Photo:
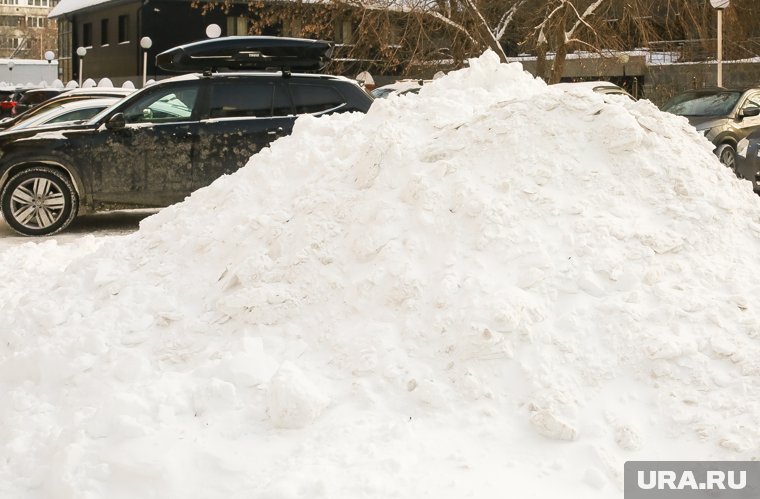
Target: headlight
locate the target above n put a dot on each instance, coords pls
(741, 148)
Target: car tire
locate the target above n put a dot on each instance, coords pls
(727, 155)
(39, 201)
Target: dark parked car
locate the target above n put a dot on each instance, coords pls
(600, 87)
(401, 87)
(725, 116)
(161, 143)
(748, 160)
(34, 97)
(76, 94)
(8, 100)
(67, 113)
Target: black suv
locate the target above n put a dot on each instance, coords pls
(160, 144)
(725, 116)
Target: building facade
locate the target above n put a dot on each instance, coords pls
(25, 32)
(111, 31)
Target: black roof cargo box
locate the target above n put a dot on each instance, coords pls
(247, 53)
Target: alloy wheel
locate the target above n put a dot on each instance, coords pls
(37, 203)
(727, 158)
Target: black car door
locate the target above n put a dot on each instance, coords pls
(245, 115)
(149, 161)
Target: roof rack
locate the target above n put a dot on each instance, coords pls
(260, 53)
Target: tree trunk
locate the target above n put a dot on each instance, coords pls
(541, 61)
(558, 67)
(560, 48)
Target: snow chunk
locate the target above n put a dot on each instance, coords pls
(551, 426)
(293, 399)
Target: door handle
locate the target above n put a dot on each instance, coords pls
(275, 131)
(184, 135)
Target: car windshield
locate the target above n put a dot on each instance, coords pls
(381, 93)
(105, 111)
(63, 114)
(703, 104)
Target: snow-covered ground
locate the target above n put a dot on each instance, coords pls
(105, 224)
(493, 289)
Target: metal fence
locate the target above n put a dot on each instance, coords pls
(705, 49)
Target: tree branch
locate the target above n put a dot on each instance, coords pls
(582, 18)
(485, 32)
(456, 26)
(506, 20)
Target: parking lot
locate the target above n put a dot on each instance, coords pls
(101, 224)
(491, 285)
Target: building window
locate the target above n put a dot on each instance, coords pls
(87, 35)
(64, 45)
(291, 27)
(103, 32)
(40, 3)
(36, 22)
(9, 42)
(10, 21)
(123, 29)
(343, 31)
(237, 26)
(8, 2)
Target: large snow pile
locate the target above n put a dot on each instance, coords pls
(492, 289)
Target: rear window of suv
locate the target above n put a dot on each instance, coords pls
(37, 97)
(315, 98)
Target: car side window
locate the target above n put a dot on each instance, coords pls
(752, 101)
(78, 115)
(169, 105)
(248, 99)
(315, 98)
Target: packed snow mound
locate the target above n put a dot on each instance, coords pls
(492, 287)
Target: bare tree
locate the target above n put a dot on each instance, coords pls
(541, 27)
(560, 30)
(408, 37)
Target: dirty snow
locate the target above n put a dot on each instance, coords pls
(492, 289)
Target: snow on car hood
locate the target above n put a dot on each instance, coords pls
(493, 287)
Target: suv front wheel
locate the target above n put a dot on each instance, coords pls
(727, 155)
(39, 201)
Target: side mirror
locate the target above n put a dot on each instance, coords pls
(117, 122)
(750, 111)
